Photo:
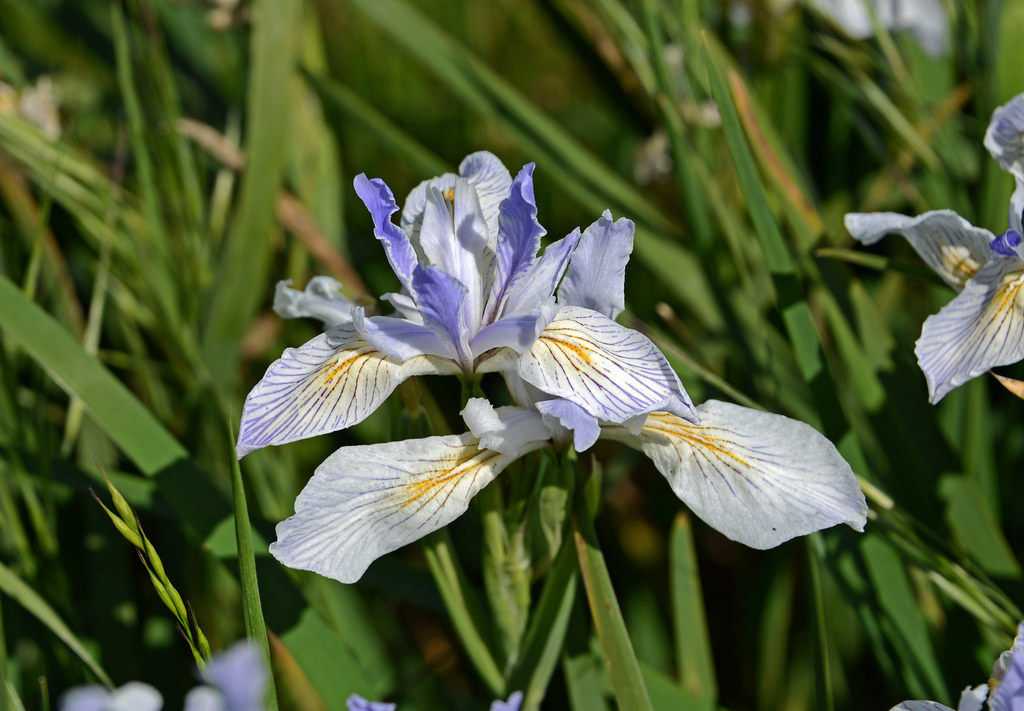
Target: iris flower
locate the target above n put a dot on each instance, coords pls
(983, 326)
(1003, 692)
(475, 298)
(574, 373)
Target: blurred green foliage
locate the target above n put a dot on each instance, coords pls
(206, 151)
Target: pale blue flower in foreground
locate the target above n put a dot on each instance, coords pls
(574, 373)
(237, 681)
(475, 298)
(1003, 692)
(925, 20)
(983, 326)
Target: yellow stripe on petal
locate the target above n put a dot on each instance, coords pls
(983, 327)
(612, 372)
(330, 383)
(366, 501)
(758, 478)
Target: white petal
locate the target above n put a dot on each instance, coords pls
(136, 696)
(972, 699)
(331, 382)
(492, 181)
(322, 299)
(611, 371)
(366, 501)
(922, 706)
(759, 478)
(508, 430)
(948, 243)
(205, 698)
(981, 328)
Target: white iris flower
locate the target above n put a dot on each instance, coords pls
(476, 298)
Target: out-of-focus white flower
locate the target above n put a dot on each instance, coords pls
(924, 19)
(37, 104)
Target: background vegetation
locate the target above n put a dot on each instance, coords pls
(206, 150)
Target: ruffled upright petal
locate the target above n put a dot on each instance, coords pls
(519, 235)
(596, 277)
(492, 181)
(442, 301)
(538, 283)
(759, 478)
(332, 382)
(948, 243)
(321, 299)
(516, 332)
(1004, 138)
(400, 338)
(612, 372)
(377, 197)
(981, 328)
(366, 501)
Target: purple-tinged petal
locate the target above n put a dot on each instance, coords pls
(1017, 207)
(1007, 244)
(453, 237)
(596, 277)
(981, 328)
(1004, 138)
(519, 235)
(759, 478)
(399, 338)
(239, 673)
(515, 332)
(368, 500)
(515, 701)
(948, 243)
(923, 706)
(321, 299)
(507, 430)
(538, 284)
(355, 702)
(377, 197)
(491, 179)
(442, 301)
(332, 382)
(611, 371)
(584, 426)
(1008, 675)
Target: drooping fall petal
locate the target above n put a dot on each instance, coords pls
(333, 381)
(759, 478)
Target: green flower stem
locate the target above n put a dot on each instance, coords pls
(506, 579)
(464, 608)
(620, 659)
(255, 627)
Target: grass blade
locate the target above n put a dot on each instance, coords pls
(252, 608)
(623, 667)
(18, 590)
(693, 646)
(276, 28)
